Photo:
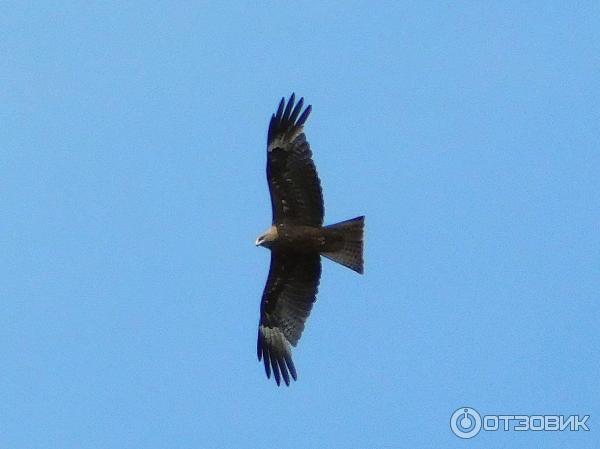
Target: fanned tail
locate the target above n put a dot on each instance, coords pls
(346, 247)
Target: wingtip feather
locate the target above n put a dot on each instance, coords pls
(288, 108)
(304, 116)
(284, 371)
(280, 109)
(275, 368)
(267, 364)
(290, 364)
(297, 110)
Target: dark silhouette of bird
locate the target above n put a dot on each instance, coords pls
(297, 240)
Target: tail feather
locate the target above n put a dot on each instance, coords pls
(347, 243)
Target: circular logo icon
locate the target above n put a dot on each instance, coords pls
(465, 422)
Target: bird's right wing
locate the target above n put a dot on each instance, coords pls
(287, 300)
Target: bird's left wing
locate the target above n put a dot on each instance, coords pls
(294, 184)
(287, 300)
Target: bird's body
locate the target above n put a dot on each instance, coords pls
(297, 240)
(300, 238)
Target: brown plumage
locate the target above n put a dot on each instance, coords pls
(297, 240)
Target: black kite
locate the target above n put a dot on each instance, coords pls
(297, 240)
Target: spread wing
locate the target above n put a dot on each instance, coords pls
(294, 185)
(286, 303)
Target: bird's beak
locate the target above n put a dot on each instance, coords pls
(257, 243)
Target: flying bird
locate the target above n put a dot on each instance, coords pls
(297, 240)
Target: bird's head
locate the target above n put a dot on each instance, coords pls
(267, 238)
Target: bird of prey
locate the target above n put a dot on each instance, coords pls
(297, 240)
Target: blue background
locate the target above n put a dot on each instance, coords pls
(132, 188)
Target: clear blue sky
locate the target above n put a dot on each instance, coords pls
(132, 189)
